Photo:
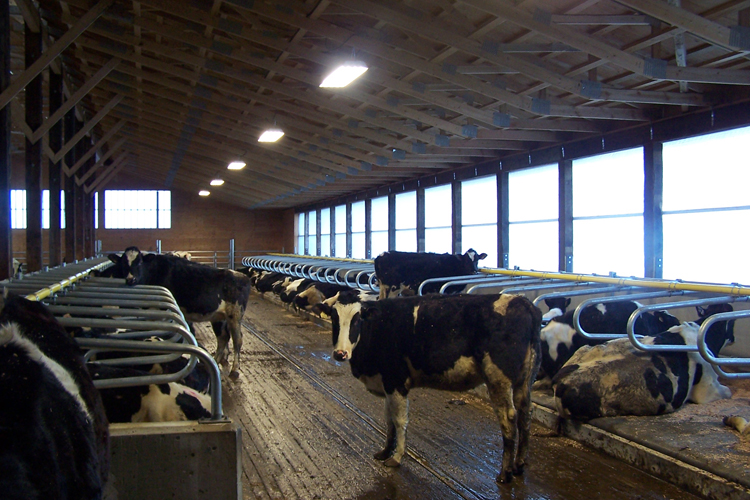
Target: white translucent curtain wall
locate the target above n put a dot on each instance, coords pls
(406, 222)
(379, 228)
(608, 214)
(533, 217)
(312, 235)
(706, 205)
(479, 218)
(438, 235)
(300, 230)
(358, 230)
(340, 230)
(325, 232)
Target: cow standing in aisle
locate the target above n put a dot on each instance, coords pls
(444, 342)
(401, 273)
(203, 293)
(54, 435)
(615, 378)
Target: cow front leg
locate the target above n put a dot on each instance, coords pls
(222, 342)
(235, 330)
(397, 412)
(390, 436)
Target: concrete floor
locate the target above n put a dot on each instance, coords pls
(309, 430)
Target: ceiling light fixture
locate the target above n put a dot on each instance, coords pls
(344, 74)
(236, 165)
(217, 182)
(271, 135)
(203, 192)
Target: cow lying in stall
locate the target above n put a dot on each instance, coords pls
(401, 273)
(203, 293)
(54, 437)
(560, 340)
(167, 402)
(444, 342)
(615, 378)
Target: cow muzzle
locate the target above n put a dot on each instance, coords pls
(340, 355)
(131, 281)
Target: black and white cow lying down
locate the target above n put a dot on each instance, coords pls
(54, 437)
(401, 273)
(615, 378)
(203, 293)
(444, 342)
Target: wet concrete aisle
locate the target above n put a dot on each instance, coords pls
(310, 430)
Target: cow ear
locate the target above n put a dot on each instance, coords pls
(567, 302)
(370, 313)
(114, 257)
(701, 311)
(481, 256)
(323, 308)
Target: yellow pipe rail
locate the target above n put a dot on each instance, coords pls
(339, 259)
(56, 287)
(610, 280)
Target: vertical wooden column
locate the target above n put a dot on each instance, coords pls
(70, 199)
(565, 215)
(6, 241)
(317, 232)
(79, 194)
(349, 230)
(653, 194)
(55, 138)
(368, 228)
(391, 222)
(332, 224)
(456, 218)
(420, 220)
(503, 206)
(34, 103)
(88, 215)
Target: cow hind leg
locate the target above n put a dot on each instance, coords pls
(397, 415)
(500, 390)
(390, 439)
(222, 342)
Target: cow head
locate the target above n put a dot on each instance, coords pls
(721, 333)
(475, 257)
(126, 264)
(346, 320)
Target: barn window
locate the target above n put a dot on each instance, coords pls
(705, 203)
(312, 233)
(325, 232)
(533, 221)
(358, 230)
(137, 209)
(300, 234)
(406, 222)
(18, 209)
(608, 213)
(479, 217)
(340, 230)
(379, 221)
(438, 213)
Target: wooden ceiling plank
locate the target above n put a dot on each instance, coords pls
(100, 143)
(87, 126)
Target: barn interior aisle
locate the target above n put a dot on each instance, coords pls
(309, 431)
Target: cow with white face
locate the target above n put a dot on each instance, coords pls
(444, 342)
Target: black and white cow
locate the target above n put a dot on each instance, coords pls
(168, 402)
(203, 293)
(323, 309)
(317, 293)
(444, 342)
(401, 273)
(267, 280)
(54, 436)
(556, 306)
(560, 340)
(289, 292)
(615, 378)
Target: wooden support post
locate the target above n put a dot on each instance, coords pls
(349, 230)
(305, 224)
(79, 194)
(565, 215)
(653, 193)
(420, 220)
(317, 233)
(456, 218)
(6, 242)
(503, 206)
(34, 118)
(55, 172)
(70, 199)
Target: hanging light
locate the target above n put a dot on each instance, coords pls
(271, 135)
(217, 182)
(345, 74)
(236, 165)
(203, 192)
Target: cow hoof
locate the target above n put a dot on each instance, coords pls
(392, 462)
(518, 469)
(383, 454)
(504, 477)
(234, 375)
